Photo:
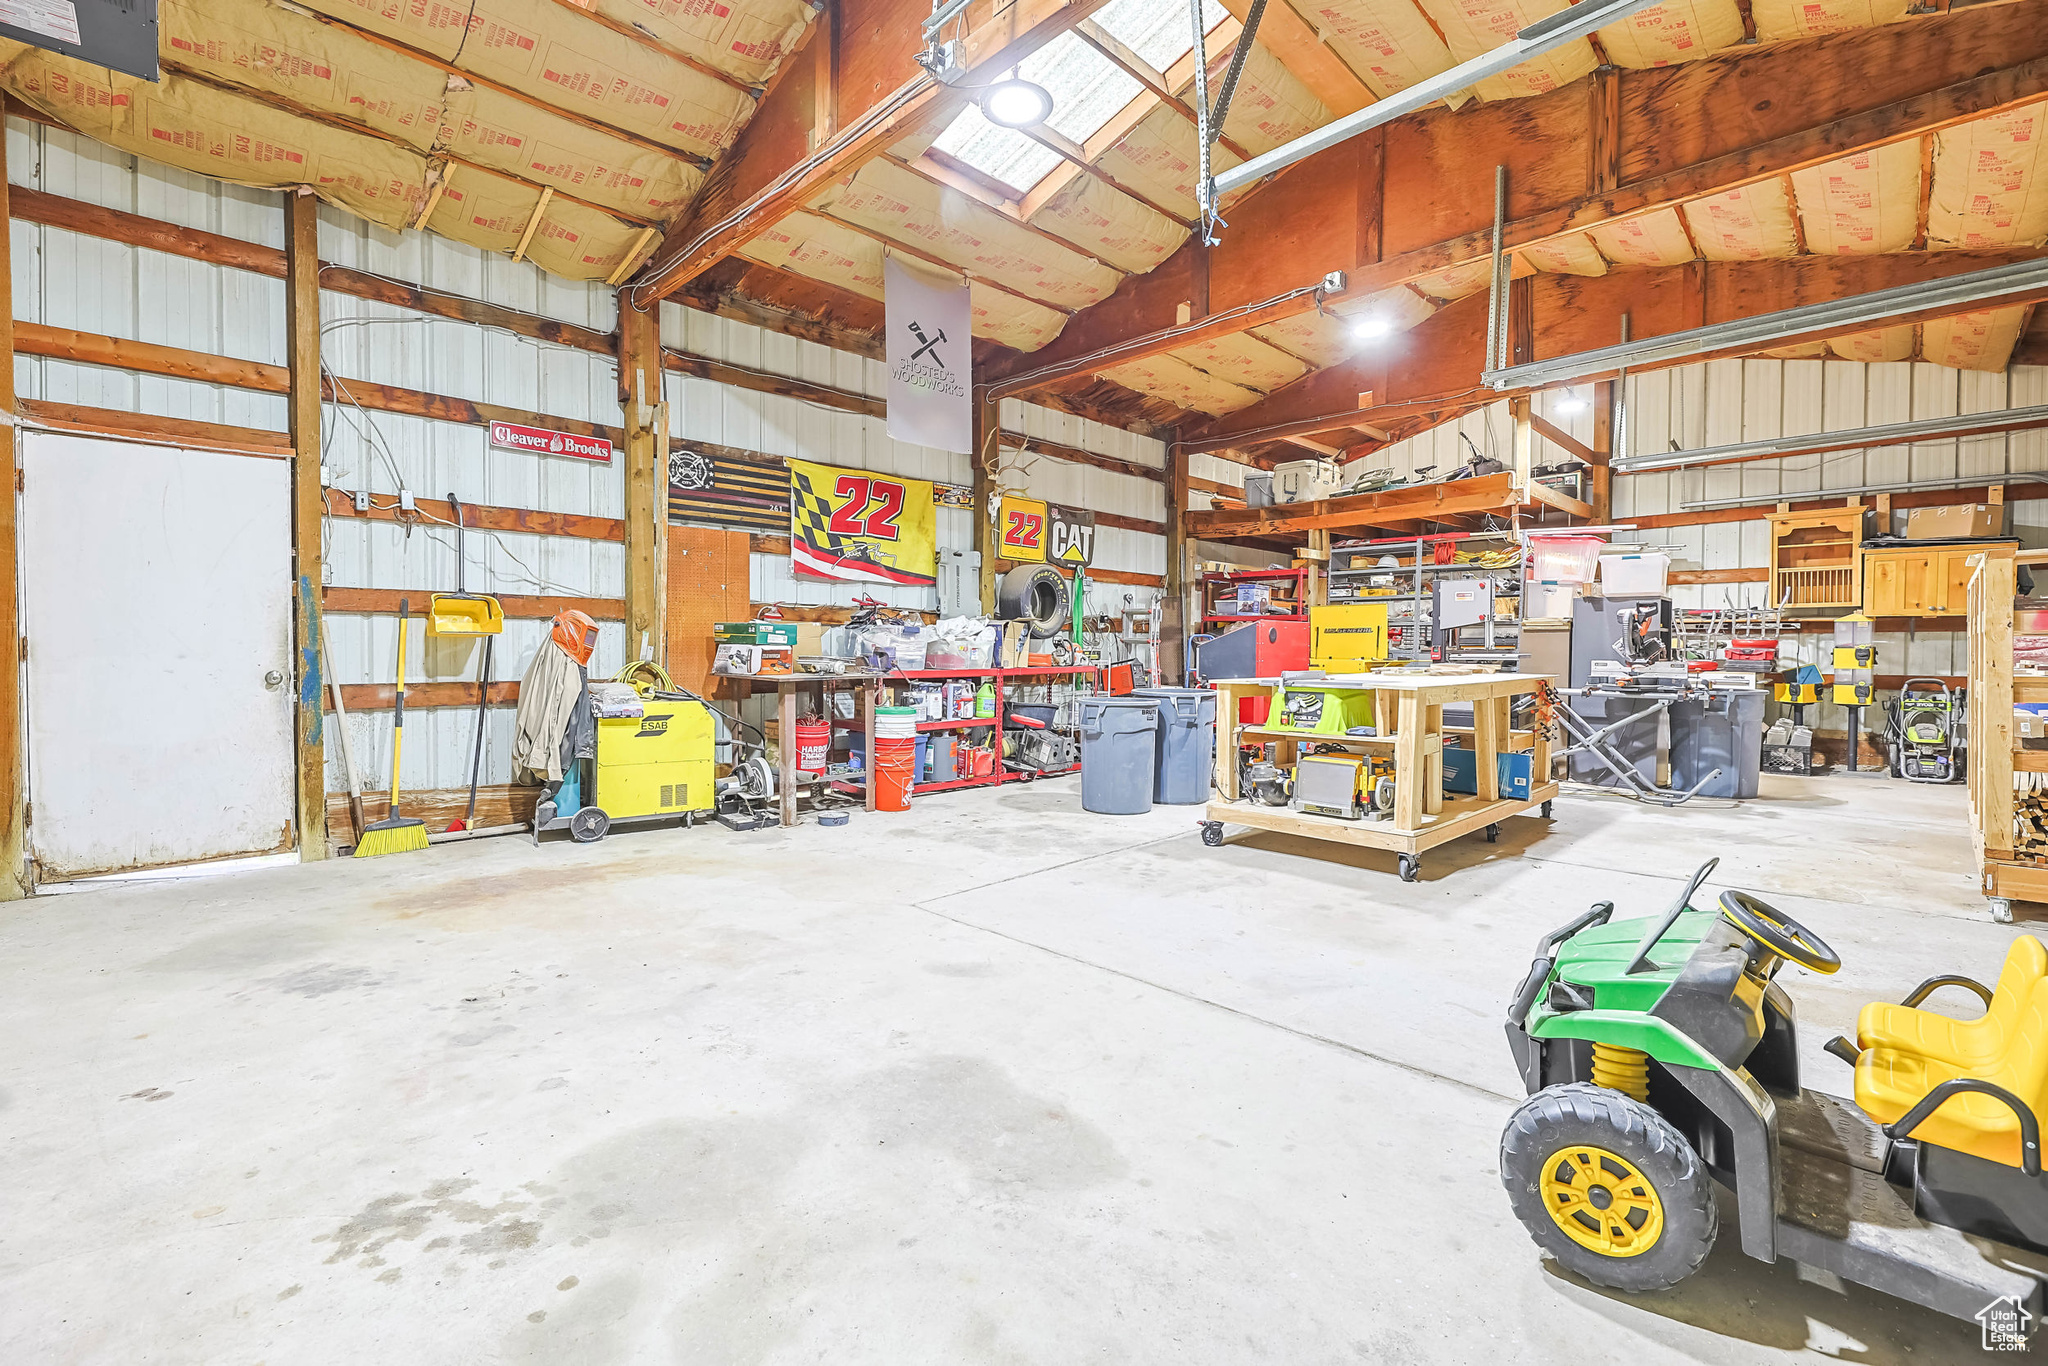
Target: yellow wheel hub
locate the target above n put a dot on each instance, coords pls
(1602, 1202)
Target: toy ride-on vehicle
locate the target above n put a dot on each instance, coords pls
(1660, 1056)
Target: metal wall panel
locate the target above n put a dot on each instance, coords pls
(701, 410)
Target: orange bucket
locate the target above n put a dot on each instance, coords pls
(894, 760)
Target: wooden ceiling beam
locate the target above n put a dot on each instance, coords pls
(1416, 197)
(1437, 364)
(1300, 49)
(880, 97)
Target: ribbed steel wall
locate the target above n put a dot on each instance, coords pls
(71, 280)
(1722, 402)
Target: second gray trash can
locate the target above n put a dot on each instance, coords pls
(1118, 736)
(1184, 747)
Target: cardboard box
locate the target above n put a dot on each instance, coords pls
(1013, 645)
(1958, 519)
(756, 632)
(810, 639)
(753, 661)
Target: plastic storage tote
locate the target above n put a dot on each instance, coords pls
(1118, 741)
(1184, 745)
(1634, 575)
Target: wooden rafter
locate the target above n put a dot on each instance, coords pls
(881, 97)
(1678, 133)
(1437, 364)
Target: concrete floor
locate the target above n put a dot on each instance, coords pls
(991, 1082)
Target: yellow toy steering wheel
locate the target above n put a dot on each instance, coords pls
(1778, 932)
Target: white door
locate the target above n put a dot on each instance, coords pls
(157, 611)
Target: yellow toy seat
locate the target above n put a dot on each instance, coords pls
(1963, 1043)
(1891, 1081)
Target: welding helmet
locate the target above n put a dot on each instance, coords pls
(576, 633)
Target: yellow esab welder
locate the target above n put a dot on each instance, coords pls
(661, 764)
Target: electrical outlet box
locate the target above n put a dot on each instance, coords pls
(326, 478)
(405, 501)
(362, 501)
(1336, 282)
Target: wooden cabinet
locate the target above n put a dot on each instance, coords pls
(1910, 581)
(1813, 557)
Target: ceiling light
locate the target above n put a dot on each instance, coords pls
(1016, 103)
(1372, 329)
(1569, 404)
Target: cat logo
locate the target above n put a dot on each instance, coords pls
(651, 725)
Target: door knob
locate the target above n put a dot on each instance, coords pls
(273, 680)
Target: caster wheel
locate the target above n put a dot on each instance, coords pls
(1212, 833)
(1411, 867)
(1546, 809)
(589, 825)
(1493, 833)
(2001, 910)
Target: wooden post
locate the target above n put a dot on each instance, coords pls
(1411, 765)
(1316, 587)
(1524, 457)
(1175, 619)
(1601, 474)
(988, 438)
(14, 880)
(785, 749)
(302, 416)
(646, 505)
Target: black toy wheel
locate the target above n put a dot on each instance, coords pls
(1212, 833)
(588, 825)
(1411, 867)
(1546, 808)
(1608, 1187)
(1493, 833)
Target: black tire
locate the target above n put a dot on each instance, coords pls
(1411, 867)
(1212, 833)
(1493, 834)
(1038, 596)
(1538, 1142)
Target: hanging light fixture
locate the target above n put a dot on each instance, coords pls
(1372, 329)
(1569, 403)
(1016, 103)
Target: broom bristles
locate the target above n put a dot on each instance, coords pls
(398, 835)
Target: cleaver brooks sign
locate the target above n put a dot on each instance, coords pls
(510, 436)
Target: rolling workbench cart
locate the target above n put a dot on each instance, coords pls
(1423, 817)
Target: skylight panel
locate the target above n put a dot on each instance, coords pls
(1002, 154)
(1157, 30)
(1086, 87)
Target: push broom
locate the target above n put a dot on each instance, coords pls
(395, 834)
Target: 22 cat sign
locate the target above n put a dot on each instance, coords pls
(1069, 535)
(1021, 527)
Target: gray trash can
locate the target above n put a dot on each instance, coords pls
(1118, 735)
(1184, 748)
(1636, 743)
(1725, 731)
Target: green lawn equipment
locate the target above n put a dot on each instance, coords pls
(1661, 1057)
(1923, 731)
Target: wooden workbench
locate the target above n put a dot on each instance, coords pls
(787, 688)
(1422, 817)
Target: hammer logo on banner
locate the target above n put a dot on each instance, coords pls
(930, 351)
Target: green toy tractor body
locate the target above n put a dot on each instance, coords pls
(1661, 1060)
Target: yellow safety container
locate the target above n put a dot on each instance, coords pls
(1798, 692)
(1347, 638)
(661, 763)
(464, 614)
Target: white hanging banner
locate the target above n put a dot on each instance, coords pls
(930, 350)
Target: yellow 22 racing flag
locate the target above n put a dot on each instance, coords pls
(855, 526)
